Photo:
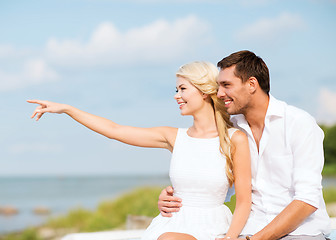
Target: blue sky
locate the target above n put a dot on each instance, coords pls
(118, 59)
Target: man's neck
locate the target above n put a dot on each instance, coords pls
(256, 113)
(255, 116)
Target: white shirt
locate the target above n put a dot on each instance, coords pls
(287, 167)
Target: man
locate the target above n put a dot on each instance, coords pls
(286, 148)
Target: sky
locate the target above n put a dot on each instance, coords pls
(118, 59)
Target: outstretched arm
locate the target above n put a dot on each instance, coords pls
(157, 137)
(240, 153)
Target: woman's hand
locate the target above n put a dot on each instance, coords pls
(46, 106)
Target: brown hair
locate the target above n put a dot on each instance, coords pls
(247, 65)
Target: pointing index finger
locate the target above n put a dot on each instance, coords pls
(37, 102)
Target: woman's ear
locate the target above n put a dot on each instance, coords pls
(205, 96)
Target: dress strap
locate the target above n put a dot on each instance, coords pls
(232, 131)
(182, 132)
(181, 135)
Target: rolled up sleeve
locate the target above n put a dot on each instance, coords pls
(308, 160)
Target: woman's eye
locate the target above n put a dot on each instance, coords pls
(180, 89)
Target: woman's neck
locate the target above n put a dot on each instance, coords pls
(204, 125)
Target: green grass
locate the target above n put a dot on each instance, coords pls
(27, 234)
(329, 194)
(77, 218)
(329, 170)
(232, 203)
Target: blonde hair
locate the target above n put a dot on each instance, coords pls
(203, 76)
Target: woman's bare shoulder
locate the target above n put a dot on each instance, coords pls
(238, 137)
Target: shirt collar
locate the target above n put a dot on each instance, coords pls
(275, 109)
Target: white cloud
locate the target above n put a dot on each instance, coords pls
(271, 29)
(37, 71)
(326, 112)
(159, 41)
(22, 148)
(34, 71)
(10, 52)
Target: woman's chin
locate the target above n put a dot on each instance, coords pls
(184, 113)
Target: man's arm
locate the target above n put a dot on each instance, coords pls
(287, 221)
(168, 203)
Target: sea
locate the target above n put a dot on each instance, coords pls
(61, 194)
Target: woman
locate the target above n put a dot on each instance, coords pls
(207, 158)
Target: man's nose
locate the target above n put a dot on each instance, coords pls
(220, 92)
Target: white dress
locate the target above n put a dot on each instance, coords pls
(197, 173)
